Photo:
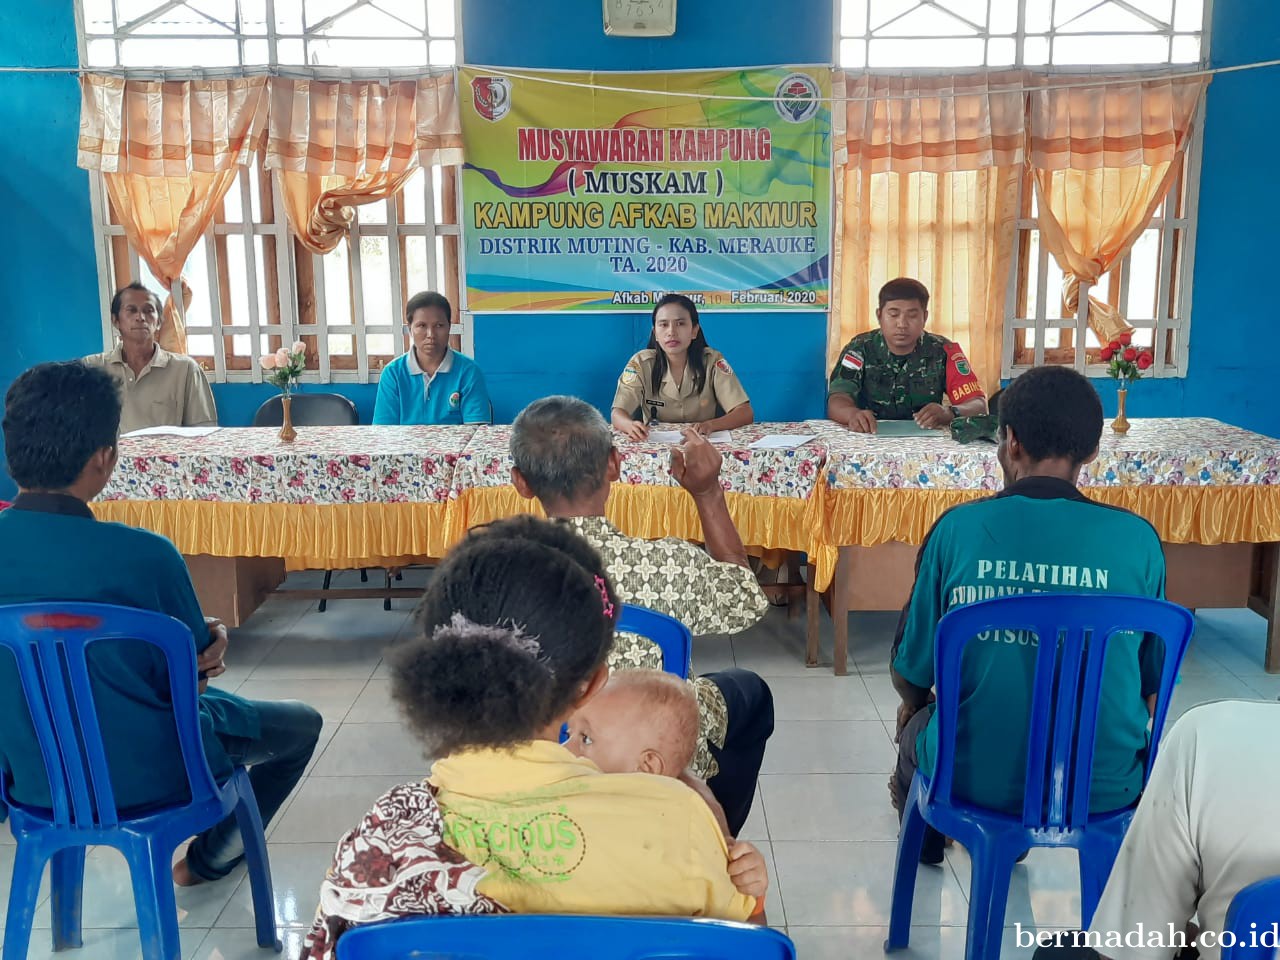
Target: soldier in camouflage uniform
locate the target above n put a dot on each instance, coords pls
(900, 372)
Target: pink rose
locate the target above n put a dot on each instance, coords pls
(298, 348)
(268, 362)
(334, 469)
(238, 467)
(348, 494)
(429, 467)
(141, 465)
(282, 357)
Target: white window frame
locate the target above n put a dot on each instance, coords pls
(289, 328)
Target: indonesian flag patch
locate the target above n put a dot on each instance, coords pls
(852, 360)
(723, 365)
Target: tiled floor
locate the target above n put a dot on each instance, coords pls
(822, 813)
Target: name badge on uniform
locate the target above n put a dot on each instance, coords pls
(852, 361)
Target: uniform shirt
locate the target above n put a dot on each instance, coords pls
(893, 387)
(721, 390)
(455, 393)
(52, 548)
(1039, 534)
(171, 390)
(1204, 830)
(682, 580)
(555, 835)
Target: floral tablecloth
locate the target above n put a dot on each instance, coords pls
(793, 474)
(1191, 452)
(325, 465)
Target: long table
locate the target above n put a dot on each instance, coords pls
(1211, 491)
(245, 507)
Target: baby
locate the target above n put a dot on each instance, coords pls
(646, 721)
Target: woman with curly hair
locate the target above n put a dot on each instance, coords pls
(513, 634)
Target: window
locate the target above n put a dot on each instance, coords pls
(242, 33)
(1151, 287)
(1070, 34)
(253, 287)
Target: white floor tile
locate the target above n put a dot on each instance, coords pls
(319, 658)
(231, 943)
(817, 697)
(327, 807)
(296, 872)
(332, 698)
(372, 749)
(111, 944)
(828, 807)
(774, 913)
(849, 883)
(856, 746)
(374, 705)
(756, 828)
(1044, 890)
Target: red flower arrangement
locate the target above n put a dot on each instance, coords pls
(1125, 362)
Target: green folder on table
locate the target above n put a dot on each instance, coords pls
(905, 428)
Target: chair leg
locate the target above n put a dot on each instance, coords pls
(386, 601)
(258, 864)
(910, 843)
(364, 575)
(24, 893)
(1097, 856)
(66, 896)
(993, 859)
(324, 601)
(151, 871)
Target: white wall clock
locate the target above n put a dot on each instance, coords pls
(639, 18)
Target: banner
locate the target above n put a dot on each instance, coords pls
(583, 194)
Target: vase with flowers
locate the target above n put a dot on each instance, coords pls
(1125, 363)
(284, 370)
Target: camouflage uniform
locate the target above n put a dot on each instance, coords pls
(970, 429)
(895, 388)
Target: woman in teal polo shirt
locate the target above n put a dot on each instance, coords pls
(431, 383)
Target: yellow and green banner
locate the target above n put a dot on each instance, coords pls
(591, 191)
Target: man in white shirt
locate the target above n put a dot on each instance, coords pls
(1204, 829)
(159, 388)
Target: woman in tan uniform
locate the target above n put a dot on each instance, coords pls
(678, 378)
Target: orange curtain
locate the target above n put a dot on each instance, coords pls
(928, 188)
(168, 152)
(335, 145)
(1103, 158)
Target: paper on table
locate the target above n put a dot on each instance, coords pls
(782, 441)
(906, 428)
(675, 436)
(172, 432)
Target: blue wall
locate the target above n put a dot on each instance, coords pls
(52, 309)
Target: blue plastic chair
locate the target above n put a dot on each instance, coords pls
(1063, 723)
(48, 642)
(667, 632)
(529, 937)
(1252, 913)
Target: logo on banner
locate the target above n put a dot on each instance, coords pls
(491, 96)
(796, 98)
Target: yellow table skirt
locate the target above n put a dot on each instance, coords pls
(767, 525)
(308, 536)
(1207, 515)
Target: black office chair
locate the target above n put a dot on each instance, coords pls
(313, 410)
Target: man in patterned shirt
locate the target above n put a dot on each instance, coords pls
(900, 372)
(563, 454)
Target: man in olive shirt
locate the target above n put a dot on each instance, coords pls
(900, 372)
(160, 389)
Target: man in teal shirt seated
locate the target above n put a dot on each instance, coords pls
(431, 383)
(61, 422)
(1040, 534)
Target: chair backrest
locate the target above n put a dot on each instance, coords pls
(1066, 688)
(48, 642)
(1252, 919)
(309, 410)
(531, 937)
(667, 632)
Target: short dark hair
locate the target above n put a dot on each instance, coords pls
(427, 299)
(514, 621)
(136, 285)
(1054, 412)
(561, 446)
(905, 288)
(57, 416)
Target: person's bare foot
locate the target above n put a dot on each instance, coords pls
(182, 875)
